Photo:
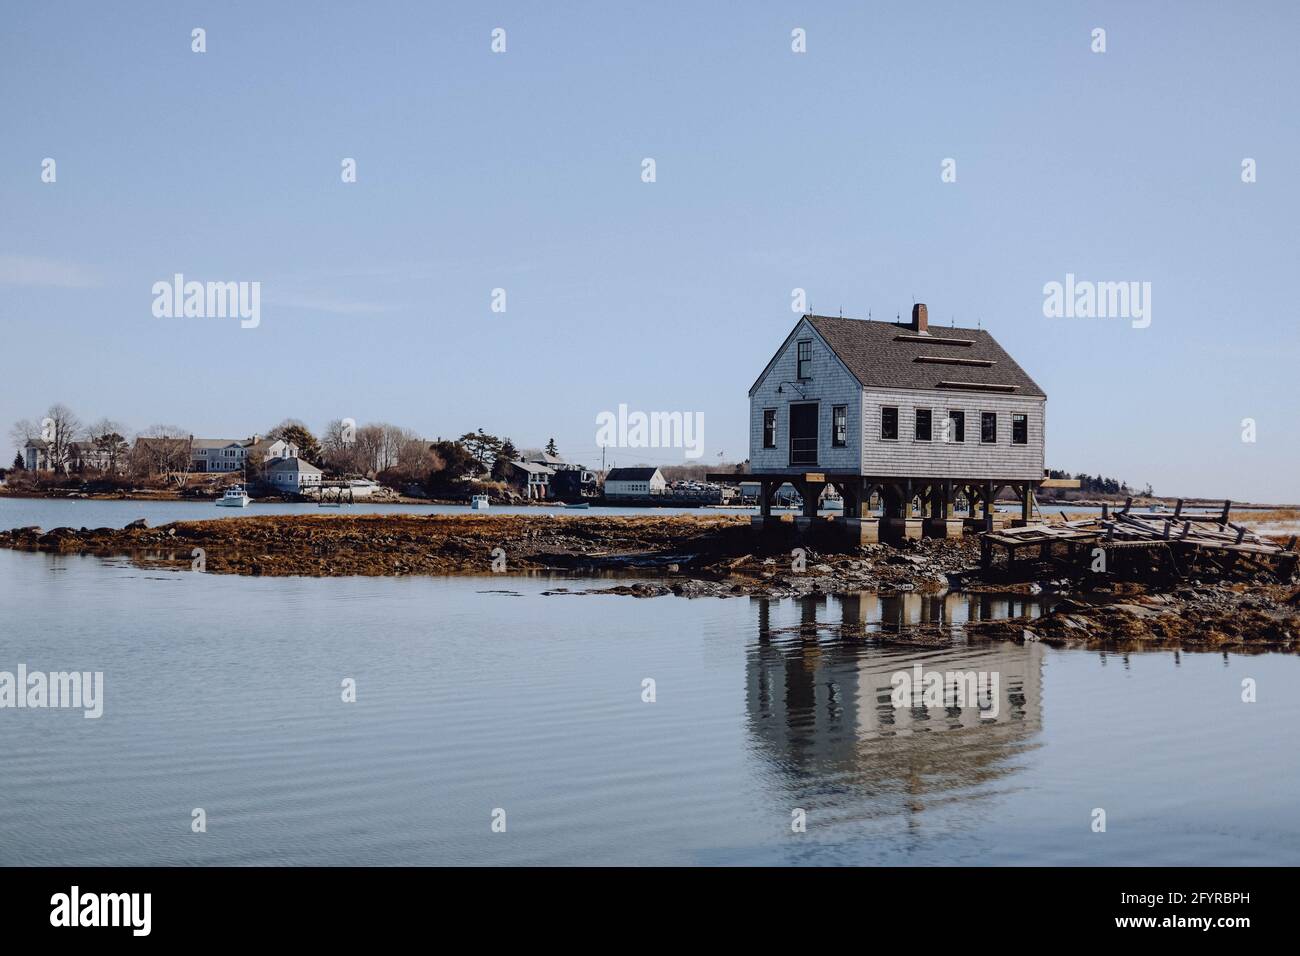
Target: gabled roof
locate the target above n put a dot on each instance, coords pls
(217, 442)
(631, 474)
(546, 459)
(533, 468)
(892, 355)
(292, 464)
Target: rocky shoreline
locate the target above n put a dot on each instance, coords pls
(700, 556)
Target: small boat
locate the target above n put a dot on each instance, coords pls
(479, 503)
(235, 497)
(577, 505)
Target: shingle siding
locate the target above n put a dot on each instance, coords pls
(935, 459)
(832, 383)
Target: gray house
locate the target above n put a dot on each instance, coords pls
(292, 475)
(900, 410)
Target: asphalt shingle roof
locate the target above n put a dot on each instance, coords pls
(630, 474)
(878, 357)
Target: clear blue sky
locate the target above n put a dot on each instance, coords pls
(775, 171)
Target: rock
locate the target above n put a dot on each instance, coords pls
(137, 523)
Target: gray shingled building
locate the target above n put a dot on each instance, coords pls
(900, 410)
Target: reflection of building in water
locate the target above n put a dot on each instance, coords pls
(819, 695)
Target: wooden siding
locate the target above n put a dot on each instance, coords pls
(831, 384)
(934, 459)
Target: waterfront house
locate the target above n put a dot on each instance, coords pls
(900, 409)
(550, 461)
(291, 475)
(531, 479)
(573, 484)
(231, 454)
(36, 455)
(216, 454)
(634, 482)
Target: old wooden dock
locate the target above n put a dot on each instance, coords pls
(1182, 543)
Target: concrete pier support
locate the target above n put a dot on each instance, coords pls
(900, 529)
(943, 527)
(862, 530)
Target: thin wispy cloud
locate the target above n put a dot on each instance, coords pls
(37, 271)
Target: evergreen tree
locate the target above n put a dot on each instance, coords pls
(507, 454)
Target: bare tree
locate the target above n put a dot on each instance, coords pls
(163, 450)
(393, 439)
(108, 439)
(60, 428)
(339, 448)
(368, 450)
(416, 459)
(24, 431)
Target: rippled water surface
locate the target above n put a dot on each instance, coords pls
(475, 694)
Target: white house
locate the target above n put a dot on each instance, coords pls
(634, 482)
(230, 454)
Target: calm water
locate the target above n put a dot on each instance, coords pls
(475, 694)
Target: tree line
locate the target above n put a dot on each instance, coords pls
(1097, 484)
(381, 450)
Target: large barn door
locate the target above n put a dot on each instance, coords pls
(803, 434)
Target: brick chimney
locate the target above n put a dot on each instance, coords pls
(920, 321)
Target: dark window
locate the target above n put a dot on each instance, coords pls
(1019, 430)
(805, 361)
(769, 428)
(923, 424)
(889, 424)
(839, 425)
(957, 426)
(804, 423)
(989, 427)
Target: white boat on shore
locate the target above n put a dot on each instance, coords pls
(235, 497)
(479, 503)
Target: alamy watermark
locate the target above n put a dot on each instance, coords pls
(921, 688)
(626, 429)
(1098, 300)
(208, 300)
(128, 910)
(37, 690)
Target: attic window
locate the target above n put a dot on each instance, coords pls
(979, 386)
(804, 370)
(952, 360)
(934, 340)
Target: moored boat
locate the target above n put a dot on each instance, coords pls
(235, 497)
